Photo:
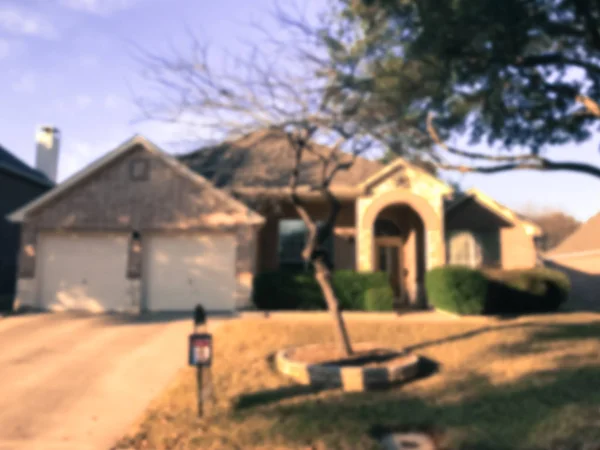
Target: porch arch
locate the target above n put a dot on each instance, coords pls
(368, 211)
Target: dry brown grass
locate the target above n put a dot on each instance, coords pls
(531, 383)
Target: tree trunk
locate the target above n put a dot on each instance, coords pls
(323, 277)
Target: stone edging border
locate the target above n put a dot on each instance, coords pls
(349, 378)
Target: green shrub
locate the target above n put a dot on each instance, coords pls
(528, 290)
(468, 291)
(457, 289)
(379, 299)
(287, 290)
(350, 287)
(293, 290)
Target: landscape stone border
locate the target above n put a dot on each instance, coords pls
(350, 378)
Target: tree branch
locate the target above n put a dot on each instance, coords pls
(516, 162)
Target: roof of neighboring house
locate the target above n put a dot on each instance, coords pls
(585, 238)
(264, 159)
(14, 165)
(236, 208)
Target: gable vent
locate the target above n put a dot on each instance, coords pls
(139, 170)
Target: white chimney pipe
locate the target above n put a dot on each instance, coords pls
(47, 141)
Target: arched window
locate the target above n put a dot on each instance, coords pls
(464, 250)
(386, 227)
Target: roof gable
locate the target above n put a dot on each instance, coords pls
(502, 211)
(206, 196)
(585, 238)
(400, 168)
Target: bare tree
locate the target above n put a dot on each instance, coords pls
(288, 83)
(556, 225)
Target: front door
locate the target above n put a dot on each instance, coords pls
(390, 252)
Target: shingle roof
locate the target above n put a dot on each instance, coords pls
(10, 162)
(264, 159)
(585, 238)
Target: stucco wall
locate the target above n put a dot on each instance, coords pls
(517, 248)
(423, 193)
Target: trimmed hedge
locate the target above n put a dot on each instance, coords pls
(379, 299)
(292, 290)
(457, 289)
(468, 291)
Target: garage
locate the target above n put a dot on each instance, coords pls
(83, 271)
(183, 270)
(136, 230)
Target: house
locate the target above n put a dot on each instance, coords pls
(19, 184)
(139, 229)
(579, 257)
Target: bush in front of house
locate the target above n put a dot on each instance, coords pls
(287, 290)
(298, 290)
(535, 290)
(463, 290)
(457, 289)
(351, 287)
(379, 299)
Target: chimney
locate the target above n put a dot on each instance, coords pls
(47, 141)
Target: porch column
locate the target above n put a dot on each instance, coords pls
(436, 248)
(364, 237)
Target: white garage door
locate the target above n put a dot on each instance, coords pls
(184, 270)
(84, 271)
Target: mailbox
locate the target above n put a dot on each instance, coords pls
(200, 350)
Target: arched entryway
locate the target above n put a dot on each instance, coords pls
(399, 250)
(400, 230)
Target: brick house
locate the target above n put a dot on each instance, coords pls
(139, 229)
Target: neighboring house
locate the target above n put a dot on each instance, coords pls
(139, 229)
(579, 257)
(19, 184)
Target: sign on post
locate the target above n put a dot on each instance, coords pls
(200, 349)
(200, 355)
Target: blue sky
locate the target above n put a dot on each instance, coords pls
(68, 63)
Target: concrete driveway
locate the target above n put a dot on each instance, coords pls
(78, 382)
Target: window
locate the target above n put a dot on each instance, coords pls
(464, 250)
(474, 248)
(386, 227)
(292, 239)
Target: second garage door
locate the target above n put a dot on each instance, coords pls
(184, 270)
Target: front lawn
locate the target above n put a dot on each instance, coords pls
(530, 383)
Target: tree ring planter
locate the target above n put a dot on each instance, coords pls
(372, 366)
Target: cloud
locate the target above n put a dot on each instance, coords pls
(26, 84)
(20, 22)
(102, 7)
(83, 101)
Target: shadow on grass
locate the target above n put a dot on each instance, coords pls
(427, 368)
(273, 395)
(548, 334)
(550, 410)
(467, 335)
